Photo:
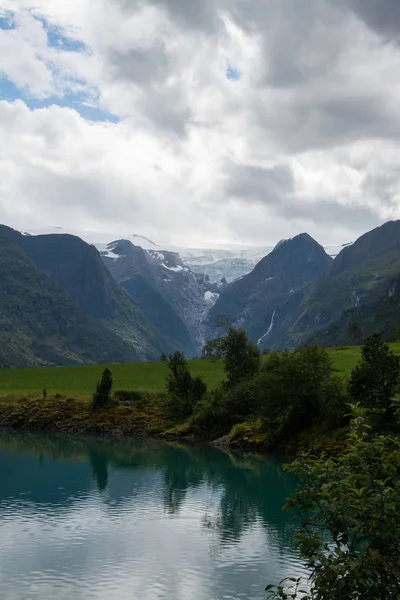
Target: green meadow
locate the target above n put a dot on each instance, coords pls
(81, 381)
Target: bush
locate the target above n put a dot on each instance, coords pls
(211, 419)
(130, 397)
(298, 388)
(374, 381)
(102, 396)
(348, 513)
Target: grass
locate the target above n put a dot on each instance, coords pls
(81, 381)
(345, 358)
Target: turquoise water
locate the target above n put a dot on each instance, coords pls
(100, 519)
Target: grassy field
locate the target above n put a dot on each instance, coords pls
(81, 381)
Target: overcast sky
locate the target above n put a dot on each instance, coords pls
(199, 122)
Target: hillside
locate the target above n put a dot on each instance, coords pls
(130, 267)
(167, 291)
(78, 269)
(40, 324)
(364, 282)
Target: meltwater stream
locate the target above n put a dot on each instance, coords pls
(90, 518)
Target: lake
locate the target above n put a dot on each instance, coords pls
(90, 518)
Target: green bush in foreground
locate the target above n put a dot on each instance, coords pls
(349, 520)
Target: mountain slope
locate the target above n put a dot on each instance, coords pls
(78, 269)
(364, 280)
(131, 268)
(165, 288)
(40, 323)
(260, 300)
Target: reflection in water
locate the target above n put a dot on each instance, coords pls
(100, 518)
(99, 463)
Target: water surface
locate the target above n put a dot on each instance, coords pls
(116, 519)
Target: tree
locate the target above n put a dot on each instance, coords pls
(241, 357)
(102, 396)
(163, 357)
(184, 391)
(212, 349)
(354, 328)
(349, 519)
(373, 382)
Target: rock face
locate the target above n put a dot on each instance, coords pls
(41, 324)
(257, 300)
(77, 268)
(173, 297)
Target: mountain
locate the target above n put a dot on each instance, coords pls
(167, 290)
(40, 324)
(77, 268)
(363, 281)
(258, 299)
(136, 272)
(230, 261)
(298, 295)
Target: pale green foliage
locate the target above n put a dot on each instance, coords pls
(348, 507)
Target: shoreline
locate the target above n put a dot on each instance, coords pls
(73, 416)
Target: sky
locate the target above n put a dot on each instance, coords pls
(200, 122)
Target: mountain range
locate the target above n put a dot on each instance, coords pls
(65, 301)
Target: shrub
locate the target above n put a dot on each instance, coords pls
(349, 519)
(374, 381)
(211, 419)
(130, 396)
(298, 388)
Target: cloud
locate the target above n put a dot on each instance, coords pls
(380, 15)
(263, 119)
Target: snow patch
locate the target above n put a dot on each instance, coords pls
(211, 297)
(110, 254)
(176, 269)
(270, 328)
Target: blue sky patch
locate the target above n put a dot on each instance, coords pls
(79, 102)
(83, 102)
(233, 73)
(57, 39)
(7, 22)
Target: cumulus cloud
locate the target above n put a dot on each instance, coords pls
(305, 136)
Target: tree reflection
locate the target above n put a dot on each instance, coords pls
(99, 464)
(236, 490)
